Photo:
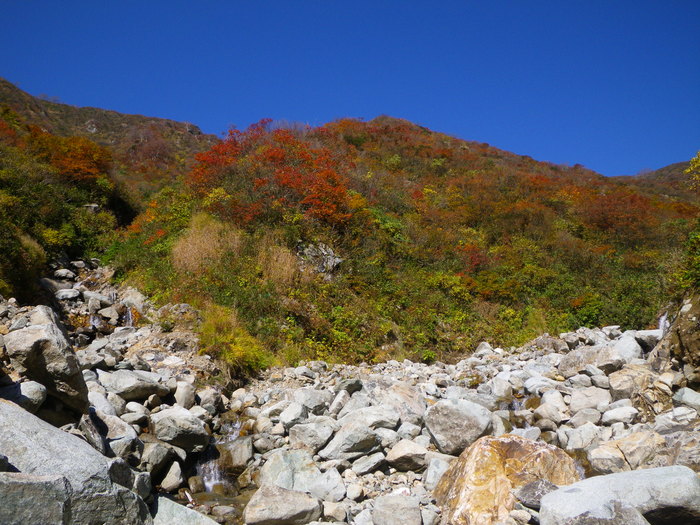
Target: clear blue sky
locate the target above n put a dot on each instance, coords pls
(613, 85)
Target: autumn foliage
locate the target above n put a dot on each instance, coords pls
(444, 242)
(262, 173)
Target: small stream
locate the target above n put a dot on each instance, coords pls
(209, 467)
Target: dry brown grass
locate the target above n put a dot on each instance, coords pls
(277, 262)
(204, 244)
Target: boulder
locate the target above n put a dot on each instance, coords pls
(31, 498)
(313, 435)
(179, 427)
(30, 395)
(532, 493)
(274, 505)
(373, 417)
(395, 509)
(41, 352)
(590, 397)
(296, 470)
(437, 466)
(173, 479)
(168, 512)
(608, 357)
(235, 455)
(635, 451)
(36, 448)
(368, 464)
(477, 486)
(407, 455)
(351, 441)
(133, 385)
(185, 394)
(670, 493)
(454, 424)
(688, 397)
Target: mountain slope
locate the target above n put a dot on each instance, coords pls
(150, 152)
(367, 240)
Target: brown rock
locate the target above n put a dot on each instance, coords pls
(476, 490)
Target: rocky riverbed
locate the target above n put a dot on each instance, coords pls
(110, 415)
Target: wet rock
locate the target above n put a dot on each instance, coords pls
(507, 462)
(455, 424)
(274, 505)
(235, 455)
(671, 492)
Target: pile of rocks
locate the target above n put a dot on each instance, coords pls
(100, 416)
(129, 396)
(370, 444)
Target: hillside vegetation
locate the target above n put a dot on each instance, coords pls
(443, 242)
(148, 153)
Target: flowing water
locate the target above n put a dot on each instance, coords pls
(664, 325)
(209, 467)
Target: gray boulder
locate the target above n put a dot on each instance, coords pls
(313, 435)
(669, 492)
(179, 427)
(350, 442)
(41, 352)
(36, 448)
(590, 397)
(397, 510)
(688, 397)
(168, 512)
(274, 505)
(296, 470)
(30, 395)
(30, 498)
(373, 417)
(407, 455)
(133, 385)
(454, 424)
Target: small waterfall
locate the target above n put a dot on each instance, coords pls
(128, 317)
(209, 467)
(664, 325)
